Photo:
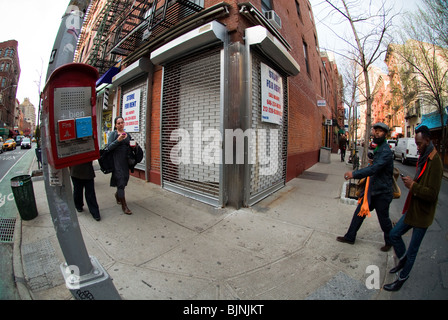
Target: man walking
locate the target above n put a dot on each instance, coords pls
(342, 146)
(419, 208)
(380, 174)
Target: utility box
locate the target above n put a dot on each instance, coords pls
(69, 115)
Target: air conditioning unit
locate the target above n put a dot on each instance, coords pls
(328, 122)
(273, 18)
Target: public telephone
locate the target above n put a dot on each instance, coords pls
(69, 115)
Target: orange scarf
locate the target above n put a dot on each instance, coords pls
(365, 211)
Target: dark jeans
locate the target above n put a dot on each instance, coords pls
(89, 186)
(381, 204)
(400, 248)
(342, 154)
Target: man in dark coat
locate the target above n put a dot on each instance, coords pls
(342, 146)
(419, 208)
(83, 180)
(380, 187)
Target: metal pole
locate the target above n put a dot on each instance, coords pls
(85, 277)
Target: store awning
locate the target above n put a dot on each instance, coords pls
(260, 37)
(203, 36)
(432, 120)
(106, 78)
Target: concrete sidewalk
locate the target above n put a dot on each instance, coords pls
(173, 247)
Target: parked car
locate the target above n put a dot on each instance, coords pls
(26, 143)
(9, 144)
(406, 150)
(392, 144)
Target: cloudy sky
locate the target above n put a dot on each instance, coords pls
(328, 22)
(34, 24)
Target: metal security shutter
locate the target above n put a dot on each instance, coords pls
(191, 104)
(261, 185)
(139, 137)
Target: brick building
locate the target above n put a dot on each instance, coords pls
(9, 79)
(229, 100)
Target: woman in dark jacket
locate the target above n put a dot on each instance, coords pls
(118, 142)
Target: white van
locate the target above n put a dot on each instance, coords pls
(406, 150)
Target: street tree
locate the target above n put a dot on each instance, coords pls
(350, 75)
(424, 62)
(370, 23)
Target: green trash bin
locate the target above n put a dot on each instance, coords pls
(22, 188)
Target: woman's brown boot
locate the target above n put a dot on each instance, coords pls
(118, 199)
(124, 206)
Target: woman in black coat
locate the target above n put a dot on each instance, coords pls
(118, 142)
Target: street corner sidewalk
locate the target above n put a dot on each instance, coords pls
(173, 247)
(313, 201)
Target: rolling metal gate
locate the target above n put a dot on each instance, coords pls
(191, 104)
(261, 185)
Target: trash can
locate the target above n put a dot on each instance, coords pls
(325, 155)
(22, 188)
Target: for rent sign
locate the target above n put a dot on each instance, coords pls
(131, 111)
(271, 95)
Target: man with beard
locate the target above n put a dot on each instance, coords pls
(419, 208)
(379, 188)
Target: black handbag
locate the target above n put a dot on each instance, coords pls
(106, 160)
(135, 156)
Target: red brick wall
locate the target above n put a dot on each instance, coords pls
(305, 118)
(154, 173)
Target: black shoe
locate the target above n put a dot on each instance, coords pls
(399, 266)
(395, 286)
(344, 240)
(97, 218)
(79, 210)
(386, 247)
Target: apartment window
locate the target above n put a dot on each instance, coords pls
(3, 82)
(305, 54)
(2, 66)
(266, 5)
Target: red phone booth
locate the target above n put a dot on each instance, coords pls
(69, 115)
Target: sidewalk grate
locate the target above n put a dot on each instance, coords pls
(7, 229)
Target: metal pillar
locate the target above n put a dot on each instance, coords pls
(85, 277)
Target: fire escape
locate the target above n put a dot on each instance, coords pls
(146, 20)
(109, 15)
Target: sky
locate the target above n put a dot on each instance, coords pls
(34, 24)
(325, 20)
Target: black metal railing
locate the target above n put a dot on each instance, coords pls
(147, 19)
